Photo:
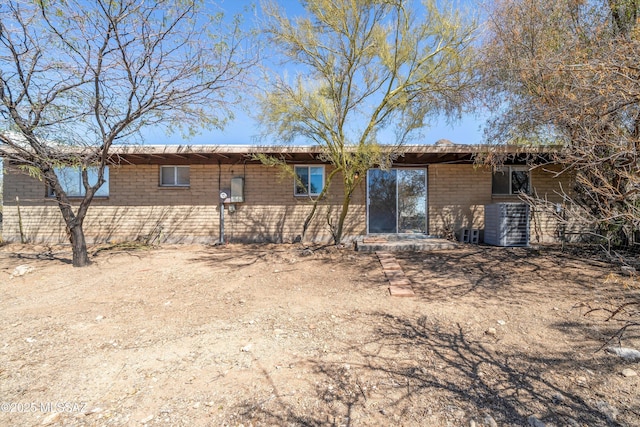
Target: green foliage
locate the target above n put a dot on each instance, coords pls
(364, 74)
(285, 170)
(32, 171)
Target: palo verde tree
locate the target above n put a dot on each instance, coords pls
(567, 72)
(354, 72)
(77, 77)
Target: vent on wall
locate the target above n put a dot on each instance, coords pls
(506, 224)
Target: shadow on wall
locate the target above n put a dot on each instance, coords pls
(182, 224)
(554, 222)
(422, 372)
(156, 224)
(446, 222)
(546, 225)
(283, 224)
(267, 225)
(40, 224)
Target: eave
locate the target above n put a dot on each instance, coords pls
(235, 154)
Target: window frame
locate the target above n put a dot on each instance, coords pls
(81, 190)
(308, 192)
(175, 176)
(509, 169)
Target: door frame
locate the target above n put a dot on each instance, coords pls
(426, 198)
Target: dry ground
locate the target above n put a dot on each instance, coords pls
(262, 335)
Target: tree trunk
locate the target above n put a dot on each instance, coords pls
(79, 246)
(337, 237)
(307, 221)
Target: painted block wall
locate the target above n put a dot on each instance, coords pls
(139, 208)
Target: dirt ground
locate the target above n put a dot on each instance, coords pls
(259, 335)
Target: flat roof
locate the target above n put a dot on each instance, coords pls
(314, 149)
(407, 154)
(442, 152)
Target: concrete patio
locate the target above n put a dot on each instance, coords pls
(402, 242)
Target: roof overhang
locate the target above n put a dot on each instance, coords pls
(234, 154)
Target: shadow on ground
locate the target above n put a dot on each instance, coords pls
(499, 272)
(417, 372)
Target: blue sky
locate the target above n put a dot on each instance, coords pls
(243, 129)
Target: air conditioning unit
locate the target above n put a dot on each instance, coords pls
(506, 224)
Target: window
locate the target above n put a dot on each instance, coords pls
(71, 181)
(309, 181)
(511, 180)
(174, 176)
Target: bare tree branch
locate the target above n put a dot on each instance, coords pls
(111, 68)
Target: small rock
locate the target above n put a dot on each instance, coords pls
(246, 348)
(306, 252)
(30, 340)
(196, 405)
(99, 318)
(629, 373)
(557, 398)
(459, 414)
(582, 381)
(501, 322)
(629, 354)
(489, 421)
(51, 418)
(535, 422)
(147, 419)
(492, 332)
(628, 270)
(21, 270)
(472, 423)
(609, 411)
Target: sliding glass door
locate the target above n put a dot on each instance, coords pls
(397, 201)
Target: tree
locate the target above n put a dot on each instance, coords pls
(566, 72)
(77, 77)
(362, 70)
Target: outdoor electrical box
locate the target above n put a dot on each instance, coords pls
(237, 190)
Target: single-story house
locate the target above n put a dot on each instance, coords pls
(173, 194)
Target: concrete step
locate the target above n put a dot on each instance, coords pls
(406, 244)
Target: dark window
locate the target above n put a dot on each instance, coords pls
(510, 180)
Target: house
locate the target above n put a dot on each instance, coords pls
(173, 194)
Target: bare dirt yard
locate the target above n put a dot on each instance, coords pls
(273, 335)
